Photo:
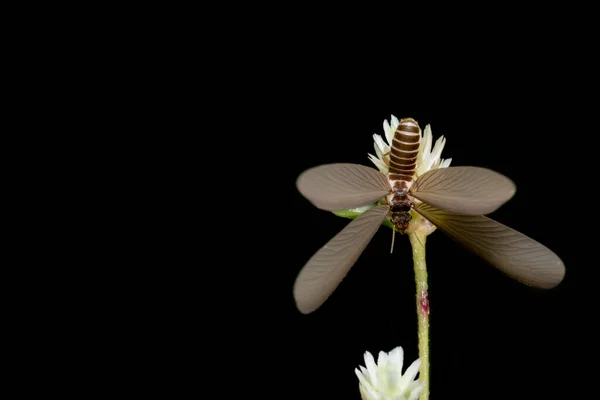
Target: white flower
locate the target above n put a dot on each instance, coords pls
(384, 380)
(426, 159)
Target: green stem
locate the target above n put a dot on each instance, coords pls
(417, 242)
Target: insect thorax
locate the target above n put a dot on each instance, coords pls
(400, 205)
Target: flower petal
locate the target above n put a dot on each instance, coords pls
(445, 163)
(382, 145)
(382, 376)
(396, 357)
(410, 374)
(364, 371)
(424, 151)
(389, 132)
(382, 359)
(363, 379)
(378, 150)
(371, 367)
(369, 393)
(394, 369)
(416, 392)
(383, 168)
(437, 149)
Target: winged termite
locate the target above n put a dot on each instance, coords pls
(455, 199)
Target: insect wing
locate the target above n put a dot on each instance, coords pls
(465, 190)
(334, 187)
(326, 269)
(515, 254)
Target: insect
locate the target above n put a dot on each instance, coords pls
(454, 199)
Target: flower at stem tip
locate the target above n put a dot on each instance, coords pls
(427, 159)
(384, 380)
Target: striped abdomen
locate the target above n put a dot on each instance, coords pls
(405, 147)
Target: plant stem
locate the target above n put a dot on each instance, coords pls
(417, 242)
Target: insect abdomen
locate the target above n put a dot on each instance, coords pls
(405, 147)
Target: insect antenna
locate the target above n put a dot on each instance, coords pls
(393, 238)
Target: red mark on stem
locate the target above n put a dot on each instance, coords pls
(425, 302)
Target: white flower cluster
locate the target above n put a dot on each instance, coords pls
(384, 380)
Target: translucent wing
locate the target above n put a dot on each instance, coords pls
(515, 254)
(326, 269)
(466, 190)
(334, 187)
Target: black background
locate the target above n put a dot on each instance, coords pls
(202, 299)
(491, 337)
